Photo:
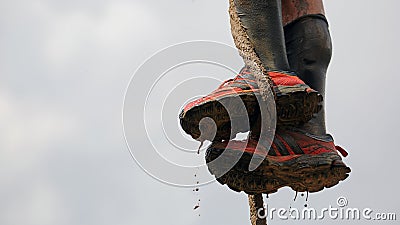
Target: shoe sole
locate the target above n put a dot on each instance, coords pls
(294, 106)
(239, 118)
(310, 173)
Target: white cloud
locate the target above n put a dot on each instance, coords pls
(121, 24)
(28, 130)
(40, 204)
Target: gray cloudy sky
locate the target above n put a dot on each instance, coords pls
(64, 68)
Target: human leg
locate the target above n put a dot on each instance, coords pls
(309, 51)
(258, 34)
(302, 157)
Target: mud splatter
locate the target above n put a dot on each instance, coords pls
(201, 145)
(196, 190)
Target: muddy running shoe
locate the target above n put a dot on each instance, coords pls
(296, 159)
(296, 103)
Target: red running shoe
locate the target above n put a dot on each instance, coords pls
(296, 159)
(296, 103)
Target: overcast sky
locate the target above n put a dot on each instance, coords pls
(64, 69)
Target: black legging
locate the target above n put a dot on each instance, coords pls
(309, 51)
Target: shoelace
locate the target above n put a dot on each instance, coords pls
(226, 82)
(274, 74)
(238, 77)
(342, 151)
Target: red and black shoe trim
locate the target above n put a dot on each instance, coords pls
(296, 103)
(296, 159)
(231, 107)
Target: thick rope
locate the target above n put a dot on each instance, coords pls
(256, 203)
(248, 53)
